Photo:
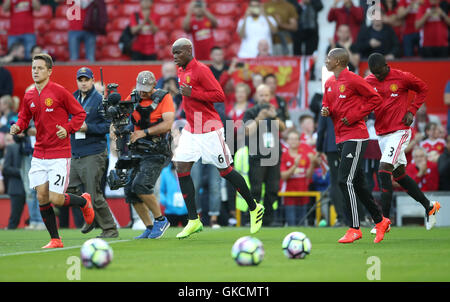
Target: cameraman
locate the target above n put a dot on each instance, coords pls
(151, 140)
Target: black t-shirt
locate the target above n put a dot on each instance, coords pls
(266, 136)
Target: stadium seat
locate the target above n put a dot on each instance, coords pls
(161, 38)
(226, 22)
(56, 38)
(111, 52)
(41, 25)
(59, 24)
(165, 9)
(225, 8)
(183, 8)
(165, 53)
(46, 11)
(101, 40)
(113, 37)
(132, 1)
(222, 37)
(120, 23)
(178, 23)
(166, 23)
(61, 11)
(232, 50)
(4, 25)
(127, 9)
(112, 11)
(58, 52)
(4, 14)
(176, 34)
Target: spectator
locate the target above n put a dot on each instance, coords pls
(11, 171)
(287, 20)
(16, 53)
(237, 111)
(278, 101)
(6, 82)
(446, 102)
(407, 10)
(6, 112)
(36, 49)
(144, 29)
(444, 168)
(201, 27)
(308, 136)
(257, 79)
(306, 38)
(380, 38)
(254, 26)
(347, 14)
(423, 118)
(263, 48)
(260, 172)
(218, 65)
(171, 85)
(297, 168)
(432, 141)
(390, 16)
(78, 34)
(424, 172)
(345, 40)
(21, 28)
(433, 21)
(168, 70)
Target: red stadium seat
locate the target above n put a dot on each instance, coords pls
(222, 37)
(58, 52)
(59, 24)
(101, 40)
(127, 9)
(232, 50)
(165, 53)
(178, 23)
(161, 38)
(176, 34)
(120, 23)
(165, 9)
(61, 11)
(166, 23)
(225, 22)
(183, 8)
(132, 1)
(4, 25)
(225, 8)
(113, 37)
(4, 14)
(41, 25)
(46, 11)
(111, 52)
(56, 37)
(112, 11)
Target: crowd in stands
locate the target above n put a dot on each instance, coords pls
(222, 32)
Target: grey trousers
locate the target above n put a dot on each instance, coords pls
(86, 174)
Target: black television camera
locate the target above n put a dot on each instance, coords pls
(119, 111)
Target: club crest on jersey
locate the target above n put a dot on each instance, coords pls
(342, 88)
(48, 102)
(188, 79)
(394, 89)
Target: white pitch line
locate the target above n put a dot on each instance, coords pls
(53, 250)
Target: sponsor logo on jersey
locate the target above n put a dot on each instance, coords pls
(342, 96)
(49, 110)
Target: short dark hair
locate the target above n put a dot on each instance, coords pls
(270, 75)
(45, 57)
(215, 48)
(304, 117)
(376, 61)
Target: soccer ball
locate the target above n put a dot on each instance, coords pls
(96, 253)
(248, 251)
(296, 245)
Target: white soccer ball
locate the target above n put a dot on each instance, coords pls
(296, 245)
(247, 251)
(96, 252)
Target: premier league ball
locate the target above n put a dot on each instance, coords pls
(96, 253)
(296, 245)
(248, 251)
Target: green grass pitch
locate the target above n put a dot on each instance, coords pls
(406, 254)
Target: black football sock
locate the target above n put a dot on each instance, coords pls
(160, 218)
(49, 218)
(71, 200)
(188, 191)
(240, 185)
(150, 227)
(414, 191)
(386, 191)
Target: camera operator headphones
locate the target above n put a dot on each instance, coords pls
(141, 114)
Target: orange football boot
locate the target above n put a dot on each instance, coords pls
(88, 210)
(54, 243)
(351, 235)
(382, 228)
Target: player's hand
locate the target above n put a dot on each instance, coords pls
(325, 111)
(83, 127)
(272, 112)
(345, 121)
(408, 119)
(14, 129)
(61, 133)
(136, 135)
(185, 90)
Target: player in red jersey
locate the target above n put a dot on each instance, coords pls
(393, 126)
(49, 105)
(348, 99)
(203, 136)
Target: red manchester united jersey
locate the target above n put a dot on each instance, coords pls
(349, 96)
(394, 92)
